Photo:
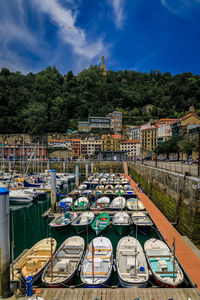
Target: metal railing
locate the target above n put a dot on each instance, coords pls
(177, 167)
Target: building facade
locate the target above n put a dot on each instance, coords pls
(83, 126)
(164, 129)
(90, 147)
(56, 143)
(76, 148)
(149, 139)
(131, 147)
(98, 124)
(111, 142)
(116, 121)
(135, 132)
(31, 151)
(181, 125)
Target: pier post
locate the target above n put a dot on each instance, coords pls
(64, 165)
(48, 167)
(77, 176)
(92, 167)
(86, 171)
(4, 244)
(53, 190)
(9, 165)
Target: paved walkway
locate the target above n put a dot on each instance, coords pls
(186, 256)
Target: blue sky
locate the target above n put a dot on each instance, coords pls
(139, 35)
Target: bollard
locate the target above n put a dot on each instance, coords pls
(86, 171)
(77, 176)
(92, 167)
(53, 191)
(4, 244)
(29, 282)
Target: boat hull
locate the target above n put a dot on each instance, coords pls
(163, 284)
(63, 283)
(20, 201)
(125, 284)
(121, 229)
(102, 285)
(81, 228)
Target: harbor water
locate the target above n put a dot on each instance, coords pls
(30, 227)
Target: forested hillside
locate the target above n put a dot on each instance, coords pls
(51, 102)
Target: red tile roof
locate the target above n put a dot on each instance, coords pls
(130, 141)
(114, 136)
(189, 115)
(60, 141)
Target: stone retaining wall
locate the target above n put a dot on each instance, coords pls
(177, 196)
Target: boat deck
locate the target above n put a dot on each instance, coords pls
(188, 259)
(122, 294)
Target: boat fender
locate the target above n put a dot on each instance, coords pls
(141, 269)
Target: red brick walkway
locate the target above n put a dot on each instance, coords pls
(186, 256)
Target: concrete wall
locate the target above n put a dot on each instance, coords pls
(176, 195)
(31, 166)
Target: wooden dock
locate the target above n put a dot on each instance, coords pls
(122, 294)
(188, 259)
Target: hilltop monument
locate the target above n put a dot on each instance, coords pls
(103, 67)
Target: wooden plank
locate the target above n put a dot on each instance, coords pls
(112, 294)
(86, 294)
(191, 293)
(61, 294)
(98, 294)
(121, 294)
(81, 291)
(68, 294)
(105, 294)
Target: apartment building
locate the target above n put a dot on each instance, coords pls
(111, 142)
(76, 148)
(90, 147)
(149, 139)
(131, 147)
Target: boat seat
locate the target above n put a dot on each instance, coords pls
(33, 265)
(128, 252)
(102, 257)
(100, 249)
(95, 273)
(38, 257)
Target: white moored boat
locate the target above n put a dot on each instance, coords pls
(135, 204)
(97, 265)
(64, 220)
(83, 221)
(66, 202)
(33, 262)
(121, 222)
(65, 263)
(142, 220)
(20, 197)
(132, 268)
(118, 203)
(163, 264)
(100, 204)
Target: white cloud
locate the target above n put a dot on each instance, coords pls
(75, 36)
(179, 6)
(14, 31)
(17, 36)
(118, 10)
